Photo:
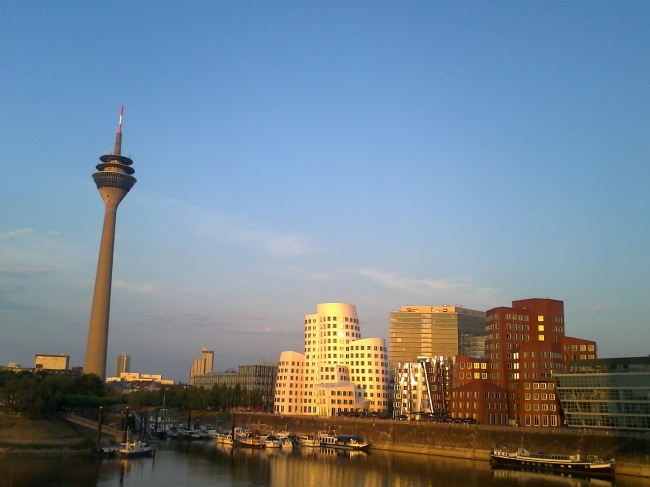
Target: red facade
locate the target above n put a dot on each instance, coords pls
(524, 345)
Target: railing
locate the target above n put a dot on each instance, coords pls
(109, 430)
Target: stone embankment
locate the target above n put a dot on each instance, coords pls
(631, 450)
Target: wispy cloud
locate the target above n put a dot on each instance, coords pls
(224, 228)
(599, 306)
(460, 290)
(26, 273)
(138, 287)
(16, 234)
(262, 331)
(415, 286)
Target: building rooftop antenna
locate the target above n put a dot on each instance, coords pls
(118, 138)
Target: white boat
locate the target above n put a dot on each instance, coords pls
(272, 442)
(134, 449)
(330, 439)
(250, 442)
(309, 441)
(286, 444)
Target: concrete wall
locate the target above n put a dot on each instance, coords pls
(631, 451)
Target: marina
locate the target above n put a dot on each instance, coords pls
(209, 463)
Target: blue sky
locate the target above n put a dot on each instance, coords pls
(291, 153)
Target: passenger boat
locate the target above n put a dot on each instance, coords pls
(523, 459)
(329, 439)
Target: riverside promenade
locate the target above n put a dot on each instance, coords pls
(630, 449)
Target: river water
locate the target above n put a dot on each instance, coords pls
(207, 464)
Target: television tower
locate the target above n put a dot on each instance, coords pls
(114, 180)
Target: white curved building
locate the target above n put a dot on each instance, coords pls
(339, 372)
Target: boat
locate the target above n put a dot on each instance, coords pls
(272, 441)
(250, 442)
(134, 449)
(523, 459)
(330, 439)
(308, 441)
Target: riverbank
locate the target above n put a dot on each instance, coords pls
(23, 436)
(470, 442)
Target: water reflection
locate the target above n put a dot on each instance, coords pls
(207, 464)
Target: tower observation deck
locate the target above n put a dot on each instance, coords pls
(114, 178)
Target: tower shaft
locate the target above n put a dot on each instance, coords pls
(114, 180)
(97, 347)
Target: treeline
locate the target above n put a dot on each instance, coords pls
(217, 398)
(37, 394)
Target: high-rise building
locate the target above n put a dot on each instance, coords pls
(122, 364)
(339, 372)
(525, 344)
(203, 365)
(434, 331)
(114, 180)
(51, 362)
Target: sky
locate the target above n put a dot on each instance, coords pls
(292, 153)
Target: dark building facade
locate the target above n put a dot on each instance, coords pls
(258, 377)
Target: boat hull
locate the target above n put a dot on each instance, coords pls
(603, 469)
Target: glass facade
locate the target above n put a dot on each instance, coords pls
(435, 331)
(606, 393)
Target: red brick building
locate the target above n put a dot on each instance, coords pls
(524, 344)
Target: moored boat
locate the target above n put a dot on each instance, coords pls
(523, 459)
(330, 439)
(250, 442)
(134, 449)
(308, 441)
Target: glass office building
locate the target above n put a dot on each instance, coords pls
(609, 393)
(435, 331)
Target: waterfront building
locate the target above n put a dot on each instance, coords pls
(421, 387)
(51, 362)
(258, 377)
(611, 393)
(114, 180)
(129, 382)
(122, 364)
(203, 365)
(524, 345)
(435, 331)
(339, 372)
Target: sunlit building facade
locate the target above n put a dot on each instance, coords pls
(339, 372)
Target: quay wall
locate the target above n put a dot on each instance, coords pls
(631, 450)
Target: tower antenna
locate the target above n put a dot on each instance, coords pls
(118, 138)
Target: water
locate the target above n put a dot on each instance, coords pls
(207, 464)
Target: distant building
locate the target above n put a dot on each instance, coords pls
(257, 377)
(525, 344)
(421, 387)
(51, 362)
(612, 393)
(129, 382)
(435, 331)
(339, 372)
(122, 364)
(203, 365)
